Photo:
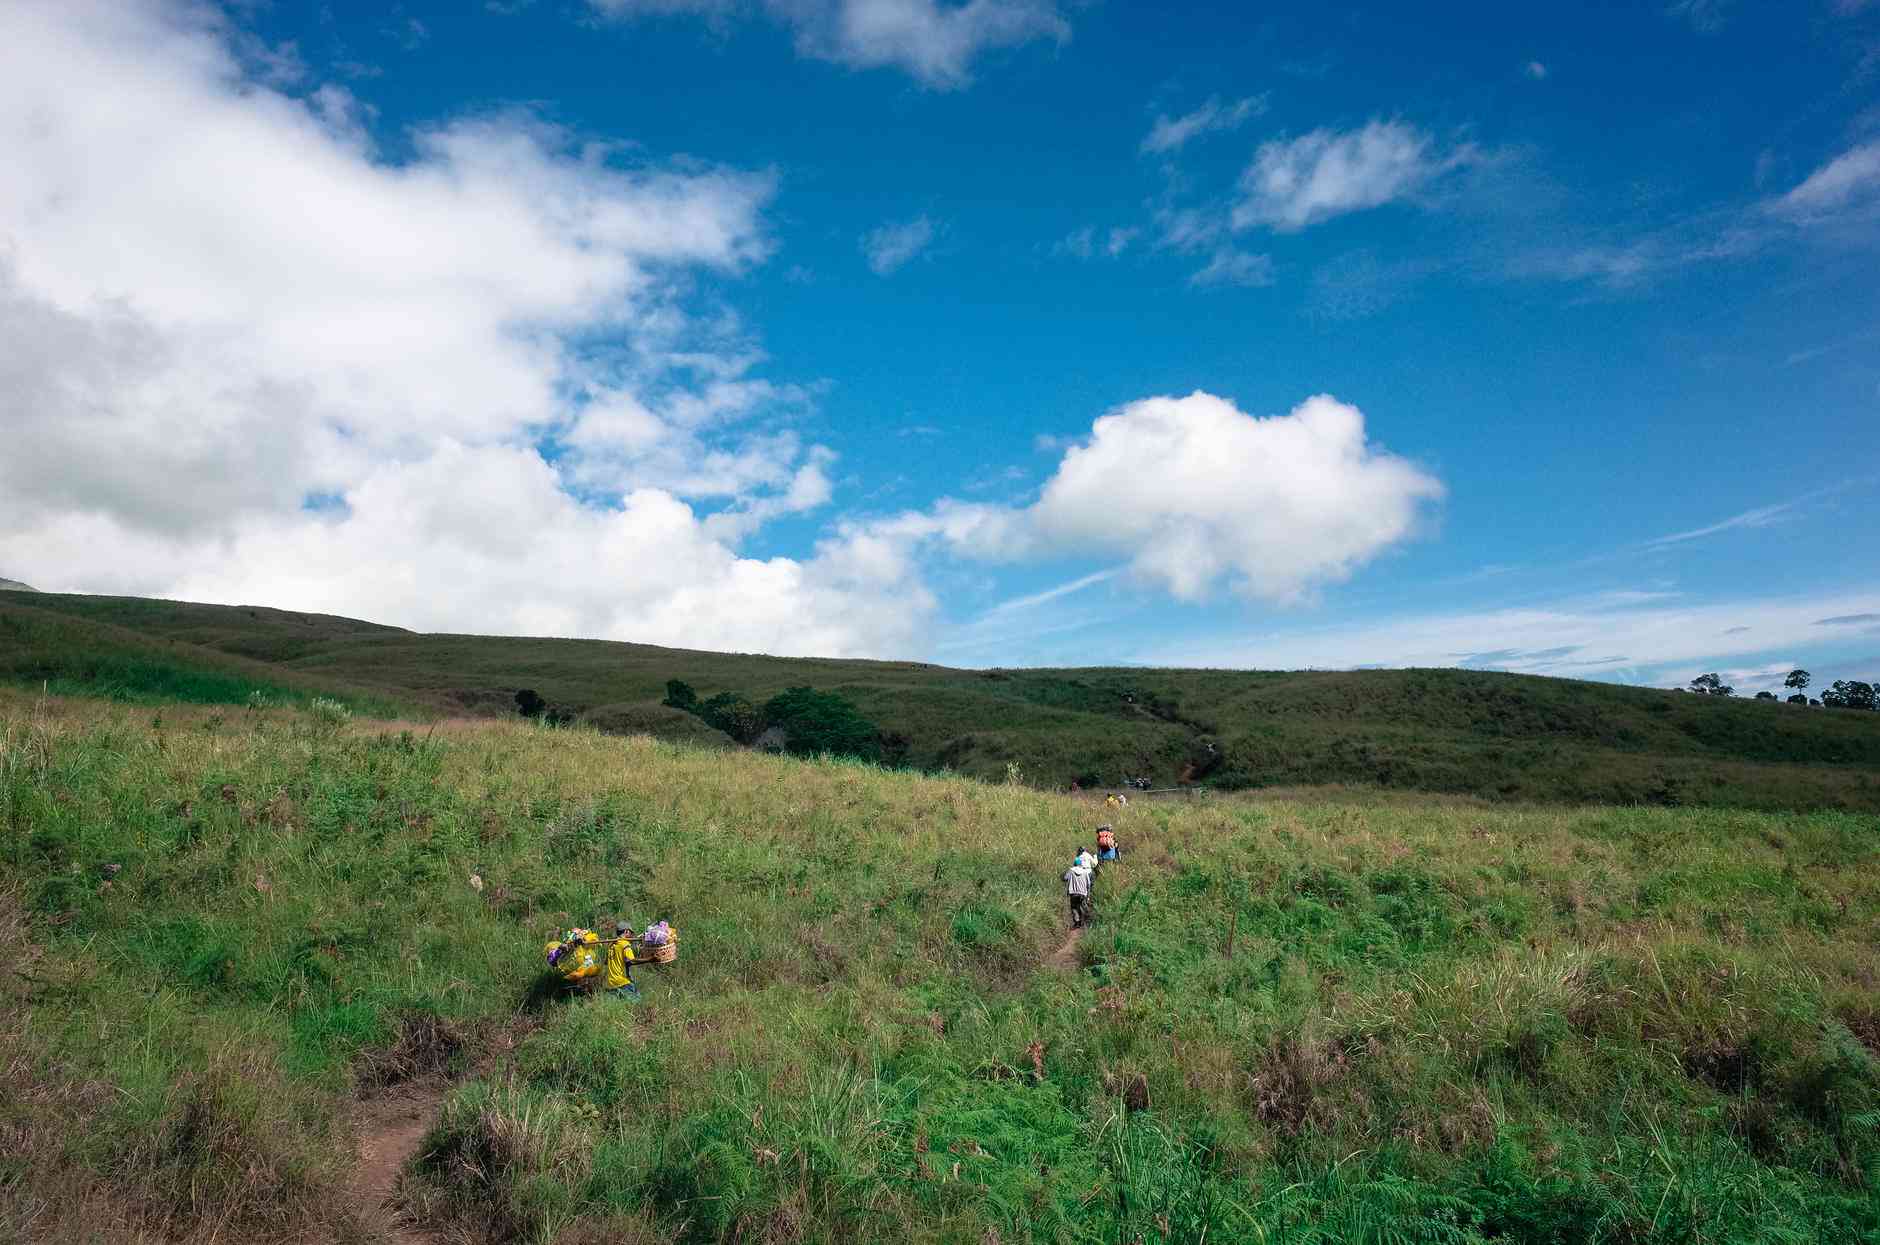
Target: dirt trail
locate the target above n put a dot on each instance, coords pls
(1066, 955)
(390, 1129)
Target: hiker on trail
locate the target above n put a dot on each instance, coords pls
(1077, 889)
(1085, 859)
(1113, 800)
(1106, 844)
(619, 980)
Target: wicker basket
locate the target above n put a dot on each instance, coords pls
(665, 954)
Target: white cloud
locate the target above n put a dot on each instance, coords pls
(1214, 117)
(1762, 516)
(1078, 243)
(1192, 494)
(890, 247)
(244, 356)
(1089, 241)
(1850, 180)
(1664, 641)
(1536, 71)
(1228, 266)
(1299, 182)
(933, 40)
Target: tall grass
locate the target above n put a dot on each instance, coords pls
(1437, 1022)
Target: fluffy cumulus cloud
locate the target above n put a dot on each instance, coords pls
(1191, 495)
(892, 247)
(933, 40)
(245, 356)
(1297, 182)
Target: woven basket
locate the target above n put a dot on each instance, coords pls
(662, 955)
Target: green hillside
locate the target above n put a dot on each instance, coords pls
(276, 977)
(1500, 736)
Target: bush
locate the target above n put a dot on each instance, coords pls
(818, 722)
(734, 715)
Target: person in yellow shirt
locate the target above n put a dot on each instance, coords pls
(619, 980)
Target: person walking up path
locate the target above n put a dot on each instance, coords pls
(1077, 889)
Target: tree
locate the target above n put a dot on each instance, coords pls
(818, 722)
(1797, 680)
(529, 703)
(1765, 695)
(681, 696)
(1849, 694)
(734, 715)
(1798, 699)
(1711, 685)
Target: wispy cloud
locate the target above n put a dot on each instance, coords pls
(1705, 16)
(1576, 637)
(1298, 182)
(1015, 605)
(891, 247)
(1847, 620)
(1849, 181)
(1229, 266)
(1214, 117)
(1089, 242)
(1536, 71)
(934, 41)
(1762, 516)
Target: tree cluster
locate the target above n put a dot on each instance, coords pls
(810, 722)
(1842, 694)
(529, 704)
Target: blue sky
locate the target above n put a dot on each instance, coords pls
(1518, 339)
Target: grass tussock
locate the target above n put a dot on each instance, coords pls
(1295, 1019)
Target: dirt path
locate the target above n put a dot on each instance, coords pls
(1066, 955)
(390, 1129)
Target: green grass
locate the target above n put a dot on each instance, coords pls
(1502, 737)
(66, 656)
(1438, 1020)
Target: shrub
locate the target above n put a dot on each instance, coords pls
(818, 722)
(734, 715)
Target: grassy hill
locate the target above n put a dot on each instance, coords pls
(1501, 736)
(245, 947)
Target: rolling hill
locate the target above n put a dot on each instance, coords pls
(1499, 736)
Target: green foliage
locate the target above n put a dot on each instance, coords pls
(734, 715)
(816, 722)
(1849, 694)
(679, 695)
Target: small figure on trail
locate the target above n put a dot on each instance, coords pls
(1084, 859)
(619, 980)
(1113, 800)
(1106, 843)
(1077, 890)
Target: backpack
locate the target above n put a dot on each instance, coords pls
(1106, 839)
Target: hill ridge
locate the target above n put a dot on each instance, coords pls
(1486, 733)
